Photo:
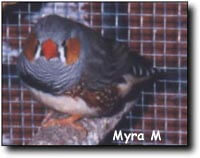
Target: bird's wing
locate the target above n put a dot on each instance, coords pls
(109, 62)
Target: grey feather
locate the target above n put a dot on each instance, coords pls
(102, 61)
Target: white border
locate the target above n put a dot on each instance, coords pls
(194, 5)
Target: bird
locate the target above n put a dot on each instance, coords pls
(72, 69)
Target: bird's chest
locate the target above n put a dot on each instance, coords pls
(80, 100)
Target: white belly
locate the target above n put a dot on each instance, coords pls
(64, 104)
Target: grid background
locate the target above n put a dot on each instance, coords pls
(157, 31)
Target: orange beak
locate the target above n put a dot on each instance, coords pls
(49, 49)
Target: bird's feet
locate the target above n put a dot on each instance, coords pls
(70, 121)
(47, 117)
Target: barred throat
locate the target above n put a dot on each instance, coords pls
(49, 76)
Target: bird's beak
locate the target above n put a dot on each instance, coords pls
(49, 49)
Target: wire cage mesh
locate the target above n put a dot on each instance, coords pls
(157, 31)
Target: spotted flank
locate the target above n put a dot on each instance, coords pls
(101, 99)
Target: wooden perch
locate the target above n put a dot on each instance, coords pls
(97, 128)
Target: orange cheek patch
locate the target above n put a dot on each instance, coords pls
(30, 46)
(49, 49)
(73, 50)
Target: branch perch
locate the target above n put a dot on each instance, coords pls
(97, 128)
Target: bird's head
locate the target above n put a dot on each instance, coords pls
(52, 57)
(53, 38)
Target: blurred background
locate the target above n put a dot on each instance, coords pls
(157, 31)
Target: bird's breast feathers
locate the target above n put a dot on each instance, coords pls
(80, 100)
(64, 103)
